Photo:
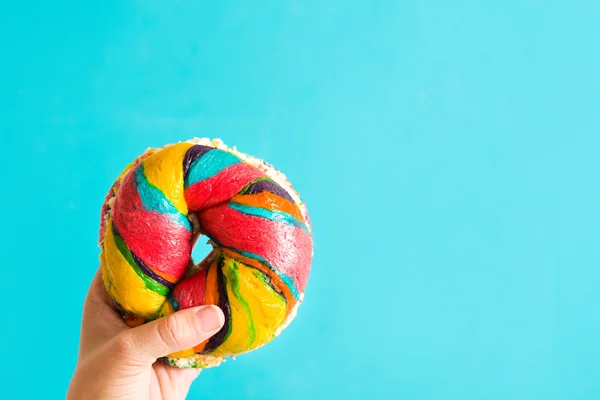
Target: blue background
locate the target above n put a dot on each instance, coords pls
(448, 152)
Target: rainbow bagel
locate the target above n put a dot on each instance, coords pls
(256, 223)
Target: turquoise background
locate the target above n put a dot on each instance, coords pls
(448, 152)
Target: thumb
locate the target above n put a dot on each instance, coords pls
(179, 331)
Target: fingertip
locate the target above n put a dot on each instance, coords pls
(210, 318)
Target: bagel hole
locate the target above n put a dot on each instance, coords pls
(201, 249)
(200, 245)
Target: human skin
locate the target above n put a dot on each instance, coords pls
(119, 362)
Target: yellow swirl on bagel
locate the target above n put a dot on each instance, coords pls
(257, 224)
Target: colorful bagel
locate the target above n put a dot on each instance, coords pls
(255, 221)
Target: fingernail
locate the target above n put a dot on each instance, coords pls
(210, 318)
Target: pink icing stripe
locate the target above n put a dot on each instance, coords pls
(190, 292)
(285, 247)
(221, 187)
(158, 240)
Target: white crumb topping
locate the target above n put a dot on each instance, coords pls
(196, 361)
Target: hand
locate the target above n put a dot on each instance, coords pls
(118, 362)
